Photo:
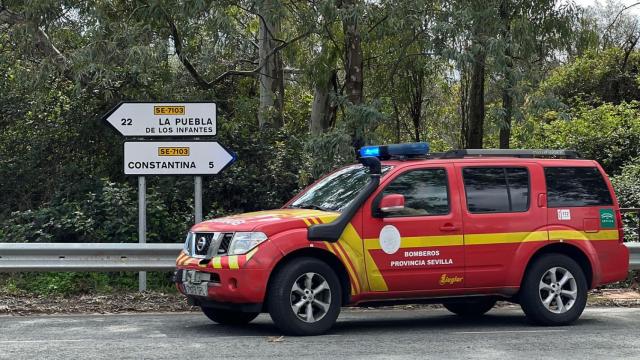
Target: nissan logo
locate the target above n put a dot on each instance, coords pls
(202, 242)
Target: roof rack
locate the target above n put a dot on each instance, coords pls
(524, 153)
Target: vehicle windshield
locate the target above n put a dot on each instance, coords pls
(337, 190)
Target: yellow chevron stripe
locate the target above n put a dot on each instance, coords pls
(215, 262)
(328, 245)
(352, 273)
(233, 262)
(251, 253)
(306, 221)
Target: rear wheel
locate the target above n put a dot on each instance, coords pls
(472, 307)
(304, 297)
(228, 317)
(554, 291)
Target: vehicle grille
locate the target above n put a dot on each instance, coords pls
(203, 243)
(208, 245)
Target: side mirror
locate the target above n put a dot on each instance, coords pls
(391, 203)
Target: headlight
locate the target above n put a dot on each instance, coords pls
(243, 242)
(187, 242)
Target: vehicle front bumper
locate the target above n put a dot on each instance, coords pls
(228, 285)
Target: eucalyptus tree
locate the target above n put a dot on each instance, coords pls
(500, 40)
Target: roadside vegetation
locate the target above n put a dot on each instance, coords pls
(299, 87)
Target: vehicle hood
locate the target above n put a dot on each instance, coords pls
(269, 221)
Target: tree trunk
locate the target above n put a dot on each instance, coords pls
(415, 109)
(271, 76)
(353, 55)
(509, 83)
(354, 79)
(476, 101)
(322, 111)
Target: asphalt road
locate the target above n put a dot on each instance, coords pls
(372, 334)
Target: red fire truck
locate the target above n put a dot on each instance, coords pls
(463, 228)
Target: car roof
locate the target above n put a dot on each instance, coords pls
(491, 160)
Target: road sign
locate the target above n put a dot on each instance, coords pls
(175, 158)
(164, 119)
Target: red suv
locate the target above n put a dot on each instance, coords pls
(463, 228)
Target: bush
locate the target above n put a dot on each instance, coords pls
(608, 133)
(75, 283)
(627, 190)
(107, 215)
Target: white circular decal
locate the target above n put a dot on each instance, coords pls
(390, 239)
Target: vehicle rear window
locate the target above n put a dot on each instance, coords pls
(496, 189)
(576, 186)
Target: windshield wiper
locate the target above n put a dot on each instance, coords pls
(310, 206)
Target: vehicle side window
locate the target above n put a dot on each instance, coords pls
(576, 186)
(496, 189)
(425, 192)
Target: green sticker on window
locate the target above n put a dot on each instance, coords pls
(607, 218)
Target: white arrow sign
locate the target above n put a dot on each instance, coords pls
(164, 119)
(175, 158)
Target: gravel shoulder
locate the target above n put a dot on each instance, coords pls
(157, 302)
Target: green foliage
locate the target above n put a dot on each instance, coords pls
(598, 77)
(107, 215)
(609, 133)
(627, 189)
(74, 283)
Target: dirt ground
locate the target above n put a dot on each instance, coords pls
(26, 304)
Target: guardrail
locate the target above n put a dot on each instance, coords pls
(52, 257)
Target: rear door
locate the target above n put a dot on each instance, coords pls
(580, 204)
(501, 215)
(419, 248)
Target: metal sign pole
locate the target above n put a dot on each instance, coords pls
(142, 226)
(197, 186)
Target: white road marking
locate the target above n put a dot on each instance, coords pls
(43, 341)
(508, 331)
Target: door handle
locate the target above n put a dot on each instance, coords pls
(448, 227)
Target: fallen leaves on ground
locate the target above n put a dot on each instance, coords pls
(26, 304)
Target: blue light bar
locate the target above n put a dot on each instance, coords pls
(411, 149)
(370, 151)
(399, 150)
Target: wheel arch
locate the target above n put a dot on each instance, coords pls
(572, 251)
(320, 254)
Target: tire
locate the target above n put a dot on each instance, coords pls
(471, 308)
(539, 285)
(290, 290)
(229, 317)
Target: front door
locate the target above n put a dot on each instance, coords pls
(420, 246)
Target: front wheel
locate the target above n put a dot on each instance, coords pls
(471, 308)
(228, 317)
(554, 291)
(304, 297)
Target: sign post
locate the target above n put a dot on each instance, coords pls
(190, 120)
(142, 226)
(197, 195)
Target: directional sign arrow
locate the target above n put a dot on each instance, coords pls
(175, 158)
(164, 119)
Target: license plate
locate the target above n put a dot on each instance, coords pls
(196, 289)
